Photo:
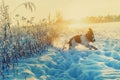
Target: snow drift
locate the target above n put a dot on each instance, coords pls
(76, 64)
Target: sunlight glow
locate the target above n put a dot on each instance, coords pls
(70, 9)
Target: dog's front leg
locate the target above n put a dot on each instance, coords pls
(93, 47)
(88, 46)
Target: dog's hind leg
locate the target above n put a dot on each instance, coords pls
(70, 45)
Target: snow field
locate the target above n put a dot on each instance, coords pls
(76, 64)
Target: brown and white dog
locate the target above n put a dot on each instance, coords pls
(84, 39)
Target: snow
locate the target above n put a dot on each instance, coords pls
(76, 64)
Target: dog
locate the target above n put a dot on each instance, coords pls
(83, 39)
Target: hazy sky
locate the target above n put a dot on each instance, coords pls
(69, 8)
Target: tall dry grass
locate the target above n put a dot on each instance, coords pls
(22, 41)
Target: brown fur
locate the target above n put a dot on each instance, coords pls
(76, 38)
(90, 35)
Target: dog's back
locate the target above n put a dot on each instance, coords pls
(76, 39)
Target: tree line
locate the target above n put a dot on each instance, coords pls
(102, 19)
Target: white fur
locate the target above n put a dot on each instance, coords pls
(84, 40)
(74, 43)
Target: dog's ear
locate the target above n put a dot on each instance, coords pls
(90, 29)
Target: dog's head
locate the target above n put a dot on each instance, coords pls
(90, 35)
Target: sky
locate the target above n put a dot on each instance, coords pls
(70, 9)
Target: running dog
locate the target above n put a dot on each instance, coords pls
(83, 39)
